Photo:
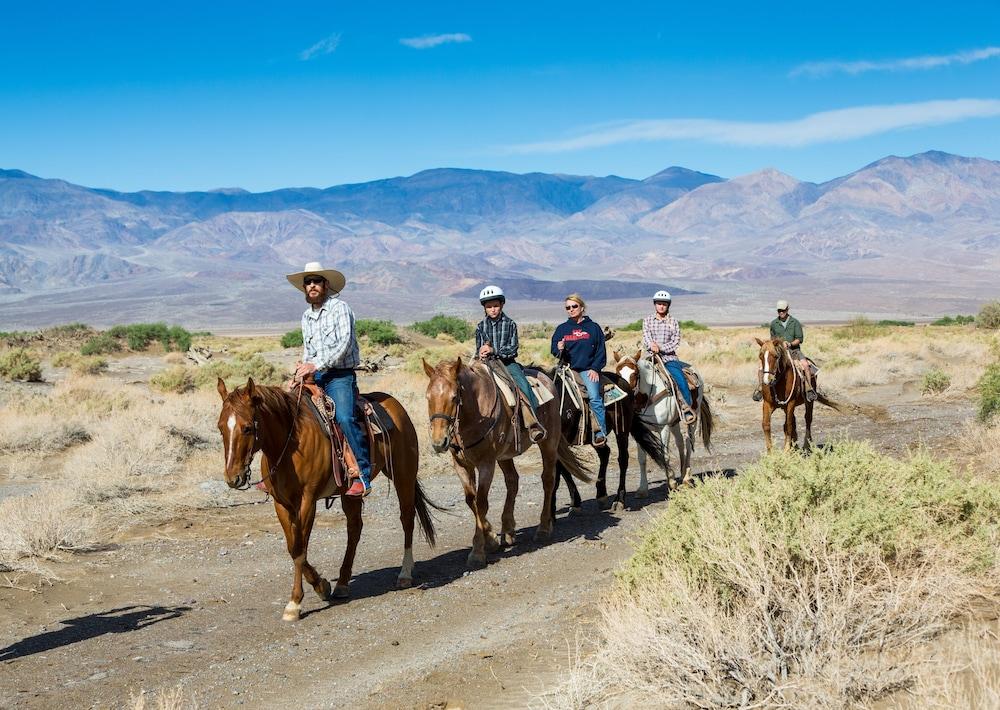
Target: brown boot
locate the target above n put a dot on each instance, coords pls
(536, 432)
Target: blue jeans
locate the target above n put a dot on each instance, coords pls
(342, 387)
(596, 400)
(516, 373)
(676, 370)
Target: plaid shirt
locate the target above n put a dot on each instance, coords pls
(666, 332)
(501, 334)
(328, 339)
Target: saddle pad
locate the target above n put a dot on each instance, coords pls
(542, 393)
(505, 389)
(614, 393)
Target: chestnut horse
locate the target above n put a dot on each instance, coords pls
(782, 387)
(469, 417)
(296, 469)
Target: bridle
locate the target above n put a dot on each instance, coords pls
(256, 446)
(779, 360)
(451, 436)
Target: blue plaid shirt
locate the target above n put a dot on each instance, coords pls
(328, 338)
(501, 334)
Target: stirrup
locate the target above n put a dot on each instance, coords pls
(536, 433)
(758, 396)
(811, 395)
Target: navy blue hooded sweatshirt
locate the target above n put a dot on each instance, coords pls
(583, 343)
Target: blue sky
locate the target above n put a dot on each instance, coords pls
(185, 96)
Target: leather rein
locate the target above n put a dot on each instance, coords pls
(256, 444)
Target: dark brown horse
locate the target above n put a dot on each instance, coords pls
(296, 469)
(782, 387)
(470, 418)
(621, 421)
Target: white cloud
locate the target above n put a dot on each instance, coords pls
(824, 127)
(428, 41)
(326, 45)
(930, 61)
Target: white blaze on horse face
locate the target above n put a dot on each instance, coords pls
(767, 367)
(231, 423)
(626, 373)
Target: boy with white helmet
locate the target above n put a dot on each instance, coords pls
(496, 336)
(661, 336)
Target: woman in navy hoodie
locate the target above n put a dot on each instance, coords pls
(581, 341)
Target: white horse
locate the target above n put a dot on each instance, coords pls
(657, 408)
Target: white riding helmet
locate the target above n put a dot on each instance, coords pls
(492, 293)
(661, 295)
(782, 305)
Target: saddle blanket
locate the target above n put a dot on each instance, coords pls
(542, 393)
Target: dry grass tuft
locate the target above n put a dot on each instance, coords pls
(40, 525)
(176, 698)
(804, 582)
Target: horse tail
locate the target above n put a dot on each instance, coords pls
(649, 441)
(569, 459)
(707, 422)
(823, 399)
(423, 505)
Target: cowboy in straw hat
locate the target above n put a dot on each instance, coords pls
(330, 353)
(788, 328)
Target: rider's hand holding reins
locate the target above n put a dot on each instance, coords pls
(304, 368)
(485, 351)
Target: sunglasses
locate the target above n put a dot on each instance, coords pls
(782, 310)
(310, 280)
(572, 308)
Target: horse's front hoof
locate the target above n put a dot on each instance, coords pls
(618, 507)
(543, 535)
(492, 543)
(508, 539)
(476, 560)
(325, 592)
(404, 583)
(292, 612)
(342, 591)
(642, 493)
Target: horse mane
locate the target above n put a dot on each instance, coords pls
(273, 400)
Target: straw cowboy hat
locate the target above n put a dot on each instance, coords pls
(314, 268)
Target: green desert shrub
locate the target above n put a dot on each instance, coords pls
(378, 332)
(956, 320)
(292, 339)
(989, 316)
(140, 336)
(20, 364)
(860, 328)
(633, 326)
(935, 381)
(102, 344)
(886, 323)
(989, 393)
(236, 371)
(177, 379)
(692, 325)
(80, 364)
(455, 327)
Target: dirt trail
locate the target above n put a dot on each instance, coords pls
(198, 601)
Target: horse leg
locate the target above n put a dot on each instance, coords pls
(603, 455)
(290, 528)
(508, 528)
(574, 492)
(643, 490)
(789, 427)
(405, 485)
(809, 426)
(766, 425)
(352, 509)
(478, 498)
(683, 459)
(550, 457)
(622, 439)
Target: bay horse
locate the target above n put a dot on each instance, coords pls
(656, 408)
(471, 419)
(621, 421)
(296, 469)
(782, 387)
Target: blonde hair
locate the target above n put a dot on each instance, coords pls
(577, 298)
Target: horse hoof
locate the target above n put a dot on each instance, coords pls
(642, 493)
(575, 510)
(404, 583)
(508, 539)
(324, 591)
(543, 535)
(475, 561)
(292, 612)
(617, 507)
(492, 543)
(342, 591)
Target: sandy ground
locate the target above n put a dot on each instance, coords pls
(198, 601)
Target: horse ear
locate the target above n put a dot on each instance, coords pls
(458, 365)
(759, 341)
(221, 387)
(250, 387)
(638, 354)
(427, 368)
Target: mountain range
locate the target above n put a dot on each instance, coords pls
(438, 235)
